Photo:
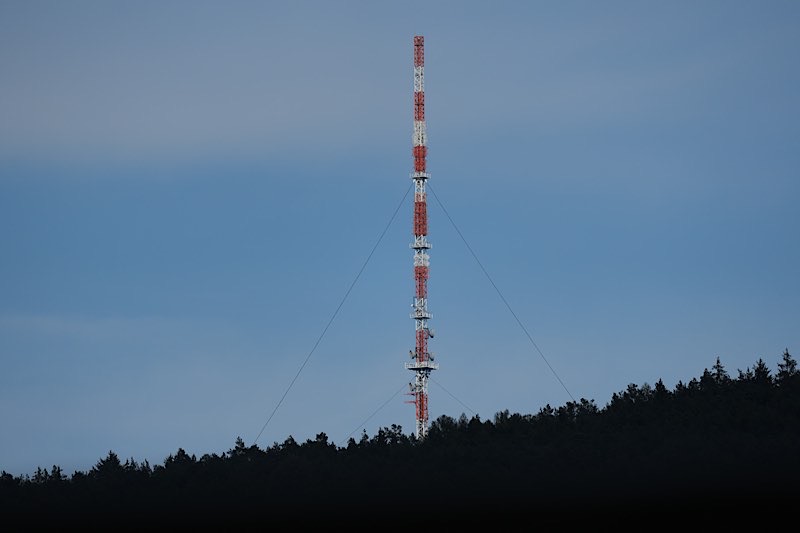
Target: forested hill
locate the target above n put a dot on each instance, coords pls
(720, 446)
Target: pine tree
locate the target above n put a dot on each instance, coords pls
(761, 373)
(719, 373)
(787, 368)
(108, 469)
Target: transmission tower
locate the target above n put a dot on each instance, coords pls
(422, 364)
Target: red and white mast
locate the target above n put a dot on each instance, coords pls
(423, 359)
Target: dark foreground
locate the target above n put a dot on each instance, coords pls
(717, 451)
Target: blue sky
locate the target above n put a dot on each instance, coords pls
(187, 189)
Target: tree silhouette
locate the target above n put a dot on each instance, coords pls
(787, 368)
(719, 374)
(714, 443)
(108, 469)
(761, 373)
